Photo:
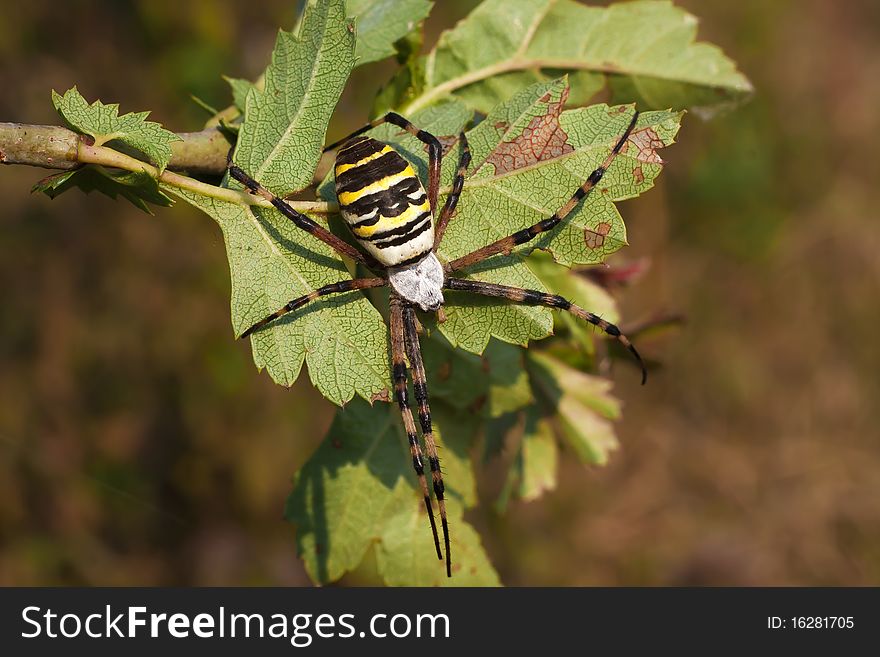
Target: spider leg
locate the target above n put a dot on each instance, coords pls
(457, 183)
(398, 354)
(420, 387)
(435, 150)
(507, 244)
(332, 288)
(536, 298)
(299, 219)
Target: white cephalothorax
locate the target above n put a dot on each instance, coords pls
(421, 282)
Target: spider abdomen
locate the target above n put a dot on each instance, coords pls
(383, 201)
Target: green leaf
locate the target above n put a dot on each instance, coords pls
(240, 89)
(138, 187)
(380, 23)
(646, 49)
(497, 382)
(581, 402)
(359, 489)
(405, 554)
(496, 436)
(529, 157)
(516, 180)
(347, 491)
(538, 457)
(342, 338)
(455, 431)
(534, 468)
(104, 124)
(283, 132)
(455, 376)
(509, 388)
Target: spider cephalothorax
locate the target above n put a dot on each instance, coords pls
(393, 218)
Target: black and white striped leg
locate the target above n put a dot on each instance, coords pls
(398, 365)
(507, 244)
(299, 219)
(435, 150)
(457, 184)
(420, 387)
(536, 298)
(332, 288)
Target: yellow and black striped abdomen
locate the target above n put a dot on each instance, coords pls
(383, 201)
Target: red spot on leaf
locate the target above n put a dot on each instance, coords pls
(542, 139)
(446, 143)
(382, 395)
(639, 175)
(596, 238)
(648, 143)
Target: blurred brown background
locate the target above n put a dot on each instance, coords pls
(138, 445)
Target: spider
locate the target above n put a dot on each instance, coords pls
(391, 216)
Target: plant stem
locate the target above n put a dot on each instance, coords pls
(44, 146)
(53, 147)
(204, 152)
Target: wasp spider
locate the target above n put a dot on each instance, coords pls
(388, 210)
